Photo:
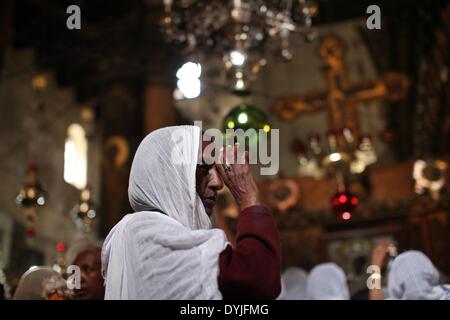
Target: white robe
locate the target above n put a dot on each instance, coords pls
(170, 255)
(327, 281)
(293, 284)
(414, 277)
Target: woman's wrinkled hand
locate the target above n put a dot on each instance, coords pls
(238, 177)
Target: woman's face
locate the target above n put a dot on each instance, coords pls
(90, 265)
(208, 183)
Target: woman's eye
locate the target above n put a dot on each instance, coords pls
(87, 269)
(206, 167)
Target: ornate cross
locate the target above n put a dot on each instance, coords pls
(342, 98)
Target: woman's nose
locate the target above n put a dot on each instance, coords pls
(215, 182)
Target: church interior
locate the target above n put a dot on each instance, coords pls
(360, 98)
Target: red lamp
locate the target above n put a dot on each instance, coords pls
(344, 203)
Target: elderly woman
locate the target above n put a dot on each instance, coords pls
(327, 281)
(414, 277)
(167, 248)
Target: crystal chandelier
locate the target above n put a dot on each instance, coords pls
(237, 29)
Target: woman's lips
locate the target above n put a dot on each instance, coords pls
(81, 292)
(210, 202)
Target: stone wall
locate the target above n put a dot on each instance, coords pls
(28, 134)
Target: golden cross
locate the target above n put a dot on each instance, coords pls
(342, 98)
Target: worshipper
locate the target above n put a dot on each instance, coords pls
(327, 281)
(379, 259)
(55, 288)
(293, 284)
(414, 277)
(92, 288)
(167, 249)
(31, 284)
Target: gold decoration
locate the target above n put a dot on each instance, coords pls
(283, 195)
(431, 176)
(118, 146)
(84, 212)
(39, 82)
(30, 197)
(341, 98)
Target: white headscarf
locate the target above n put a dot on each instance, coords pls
(293, 284)
(414, 277)
(169, 255)
(31, 284)
(327, 281)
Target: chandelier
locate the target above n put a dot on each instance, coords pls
(342, 154)
(31, 197)
(236, 31)
(83, 213)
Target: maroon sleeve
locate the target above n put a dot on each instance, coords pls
(253, 269)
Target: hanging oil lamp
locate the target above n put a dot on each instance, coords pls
(83, 213)
(343, 203)
(31, 197)
(60, 264)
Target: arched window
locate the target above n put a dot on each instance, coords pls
(75, 156)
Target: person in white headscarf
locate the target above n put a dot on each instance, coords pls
(167, 249)
(31, 285)
(327, 281)
(414, 277)
(293, 284)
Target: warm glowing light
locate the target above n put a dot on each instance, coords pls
(240, 84)
(230, 124)
(355, 201)
(342, 198)
(60, 247)
(335, 156)
(31, 193)
(243, 118)
(346, 216)
(84, 207)
(189, 70)
(190, 88)
(75, 157)
(237, 58)
(189, 80)
(266, 128)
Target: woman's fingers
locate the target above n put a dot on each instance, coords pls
(234, 162)
(221, 172)
(220, 166)
(230, 155)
